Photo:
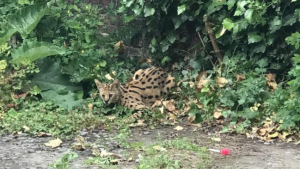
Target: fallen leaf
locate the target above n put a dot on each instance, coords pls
(240, 77)
(218, 114)
(169, 105)
(156, 103)
(111, 118)
(274, 135)
(108, 77)
(218, 139)
(272, 85)
(90, 106)
(159, 148)
(201, 75)
(42, 134)
(271, 77)
(54, 143)
(262, 132)
(26, 128)
(221, 81)
(191, 119)
(79, 139)
(178, 128)
(145, 60)
(179, 83)
(121, 47)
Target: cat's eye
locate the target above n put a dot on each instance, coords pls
(103, 96)
(110, 95)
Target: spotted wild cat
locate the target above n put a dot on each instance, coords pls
(147, 86)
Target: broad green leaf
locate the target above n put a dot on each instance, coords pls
(55, 86)
(180, 9)
(153, 41)
(26, 19)
(253, 38)
(249, 15)
(5, 35)
(148, 11)
(164, 45)
(137, 9)
(73, 24)
(231, 3)
(228, 24)
(32, 51)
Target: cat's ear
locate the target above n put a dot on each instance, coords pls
(98, 84)
(115, 84)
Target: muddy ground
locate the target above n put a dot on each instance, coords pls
(24, 152)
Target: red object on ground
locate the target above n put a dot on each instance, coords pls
(225, 151)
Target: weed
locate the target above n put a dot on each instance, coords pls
(64, 161)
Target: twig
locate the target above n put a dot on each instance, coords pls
(205, 49)
(213, 39)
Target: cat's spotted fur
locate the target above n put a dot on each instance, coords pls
(147, 86)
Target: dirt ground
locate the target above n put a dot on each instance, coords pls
(24, 152)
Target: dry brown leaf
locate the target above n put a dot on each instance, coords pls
(221, 81)
(175, 65)
(108, 77)
(111, 118)
(121, 47)
(201, 75)
(272, 85)
(90, 106)
(169, 105)
(240, 77)
(274, 135)
(26, 128)
(156, 103)
(218, 114)
(192, 84)
(271, 77)
(42, 134)
(96, 152)
(178, 128)
(159, 148)
(144, 60)
(54, 143)
(191, 119)
(283, 135)
(179, 83)
(218, 139)
(262, 132)
(201, 83)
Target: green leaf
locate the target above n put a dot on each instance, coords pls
(165, 60)
(275, 24)
(164, 45)
(228, 24)
(35, 90)
(3, 64)
(171, 37)
(103, 63)
(32, 51)
(231, 3)
(26, 19)
(55, 86)
(148, 11)
(253, 38)
(249, 15)
(180, 9)
(73, 24)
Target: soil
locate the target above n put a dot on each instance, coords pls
(24, 152)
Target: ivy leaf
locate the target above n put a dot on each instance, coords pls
(249, 15)
(164, 45)
(165, 60)
(180, 9)
(231, 3)
(275, 24)
(137, 10)
(32, 51)
(171, 37)
(253, 38)
(148, 11)
(103, 63)
(228, 24)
